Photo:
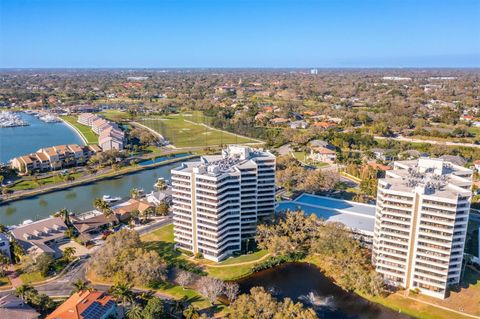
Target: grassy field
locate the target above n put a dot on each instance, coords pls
(115, 115)
(31, 184)
(84, 130)
(182, 132)
(28, 278)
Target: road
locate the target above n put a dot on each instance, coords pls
(62, 286)
(415, 140)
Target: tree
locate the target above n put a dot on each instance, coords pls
(211, 288)
(154, 309)
(184, 278)
(259, 304)
(231, 291)
(24, 291)
(65, 214)
(102, 206)
(162, 209)
(123, 255)
(4, 262)
(191, 313)
(69, 253)
(16, 250)
(135, 311)
(123, 291)
(43, 263)
(81, 285)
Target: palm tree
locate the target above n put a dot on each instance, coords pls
(135, 311)
(16, 249)
(102, 206)
(134, 193)
(81, 285)
(24, 291)
(123, 291)
(65, 214)
(69, 252)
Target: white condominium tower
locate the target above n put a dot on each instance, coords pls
(218, 200)
(421, 223)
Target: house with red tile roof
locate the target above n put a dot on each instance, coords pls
(87, 305)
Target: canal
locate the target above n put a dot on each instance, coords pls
(305, 283)
(17, 141)
(80, 198)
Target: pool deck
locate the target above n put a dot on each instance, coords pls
(357, 216)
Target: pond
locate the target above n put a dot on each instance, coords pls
(306, 283)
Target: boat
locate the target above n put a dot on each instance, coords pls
(49, 118)
(110, 199)
(10, 119)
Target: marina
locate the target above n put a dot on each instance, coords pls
(21, 140)
(11, 119)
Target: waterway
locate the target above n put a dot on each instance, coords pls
(305, 283)
(17, 141)
(80, 198)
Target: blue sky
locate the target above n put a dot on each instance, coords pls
(228, 33)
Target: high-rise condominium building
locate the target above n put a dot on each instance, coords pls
(218, 200)
(421, 223)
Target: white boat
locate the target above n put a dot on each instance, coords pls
(110, 199)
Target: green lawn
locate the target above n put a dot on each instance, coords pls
(244, 258)
(115, 115)
(182, 133)
(84, 130)
(28, 278)
(30, 184)
(164, 233)
(161, 240)
(302, 157)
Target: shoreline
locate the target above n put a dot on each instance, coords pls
(95, 179)
(84, 139)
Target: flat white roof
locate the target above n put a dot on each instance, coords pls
(354, 215)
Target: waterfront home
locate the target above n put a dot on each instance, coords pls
(12, 307)
(42, 236)
(5, 245)
(53, 158)
(157, 197)
(124, 210)
(92, 223)
(87, 305)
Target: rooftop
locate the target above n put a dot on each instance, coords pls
(84, 305)
(354, 215)
(231, 157)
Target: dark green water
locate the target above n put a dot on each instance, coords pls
(305, 283)
(79, 199)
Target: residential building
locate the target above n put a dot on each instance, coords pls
(42, 236)
(124, 210)
(157, 197)
(382, 154)
(5, 245)
(110, 136)
(322, 154)
(54, 158)
(218, 200)
(87, 118)
(420, 224)
(12, 307)
(91, 223)
(87, 305)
